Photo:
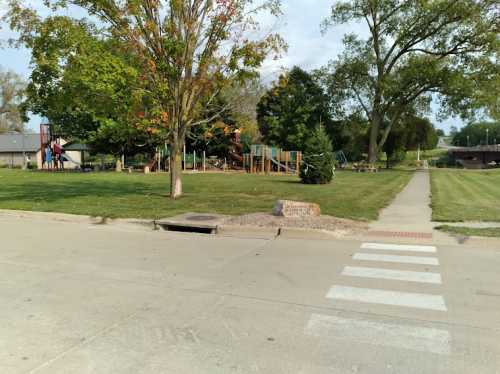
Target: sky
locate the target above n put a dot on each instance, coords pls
(308, 47)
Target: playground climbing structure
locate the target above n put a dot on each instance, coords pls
(265, 159)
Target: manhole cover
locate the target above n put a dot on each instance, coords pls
(201, 218)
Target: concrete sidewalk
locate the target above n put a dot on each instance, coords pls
(410, 211)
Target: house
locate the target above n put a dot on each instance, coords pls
(16, 149)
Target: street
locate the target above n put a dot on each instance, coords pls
(82, 298)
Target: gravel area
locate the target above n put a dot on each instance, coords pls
(320, 223)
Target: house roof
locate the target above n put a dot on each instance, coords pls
(19, 143)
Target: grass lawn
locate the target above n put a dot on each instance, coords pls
(351, 195)
(465, 195)
(493, 232)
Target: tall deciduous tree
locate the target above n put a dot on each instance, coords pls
(414, 49)
(189, 50)
(12, 88)
(84, 84)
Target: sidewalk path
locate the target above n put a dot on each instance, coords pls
(410, 211)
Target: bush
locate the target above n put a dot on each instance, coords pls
(318, 160)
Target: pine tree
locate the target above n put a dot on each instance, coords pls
(318, 160)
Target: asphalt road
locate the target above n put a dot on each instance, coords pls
(80, 298)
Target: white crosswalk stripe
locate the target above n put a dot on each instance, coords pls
(396, 298)
(401, 275)
(417, 338)
(399, 247)
(396, 258)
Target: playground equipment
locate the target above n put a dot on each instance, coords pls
(341, 159)
(236, 152)
(195, 161)
(265, 159)
(50, 145)
(67, 157)
(53, 151)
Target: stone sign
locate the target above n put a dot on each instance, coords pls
(289, 208)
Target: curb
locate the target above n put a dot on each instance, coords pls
(250, 232)
(259, 232)
(76, 218)
(244, 232)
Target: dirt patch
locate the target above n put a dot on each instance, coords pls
(346, 226)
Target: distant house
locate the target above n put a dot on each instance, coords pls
(14, 147)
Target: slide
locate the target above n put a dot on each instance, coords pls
(281, 165)
(235, 156)
(68, 158)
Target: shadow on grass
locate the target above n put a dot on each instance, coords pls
(53, 192)
(289, 181)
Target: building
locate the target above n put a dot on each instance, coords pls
(480, 157)
(16, 149)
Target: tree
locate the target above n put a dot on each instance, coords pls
(216, 137)
(350, 135)
(318, 161)
(414, 50)
(474, 134)
(486, 87)
(291, 110)
(84, 84)
(410, 134)
(12, 88)
(188, 50)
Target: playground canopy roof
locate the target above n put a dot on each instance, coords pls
(14, 143)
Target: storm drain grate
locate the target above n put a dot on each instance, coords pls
(189, 228)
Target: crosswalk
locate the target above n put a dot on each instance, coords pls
(377, 261)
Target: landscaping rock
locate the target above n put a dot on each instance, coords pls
(289, 208)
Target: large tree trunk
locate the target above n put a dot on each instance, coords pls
(175, 171)
(373, 146)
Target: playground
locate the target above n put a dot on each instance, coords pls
(353, 195)
(56, 152)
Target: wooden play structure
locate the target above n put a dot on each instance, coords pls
(261, 159)
(265, 159)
